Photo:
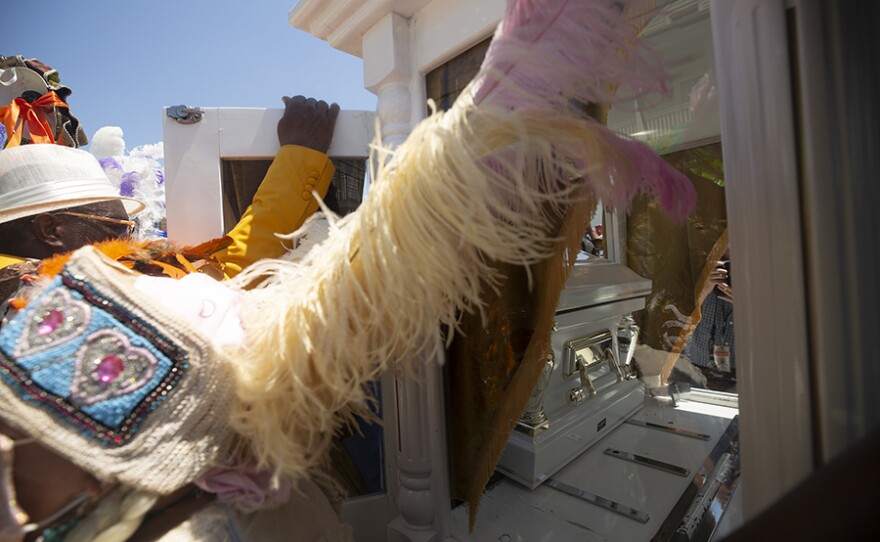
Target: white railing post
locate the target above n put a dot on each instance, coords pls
(420, 490)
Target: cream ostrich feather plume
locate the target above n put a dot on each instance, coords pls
(484, 182)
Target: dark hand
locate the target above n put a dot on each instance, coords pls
(725, 292)
(307, 122)
(720, 279)
(718, 275)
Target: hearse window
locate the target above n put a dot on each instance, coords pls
(242, 176)
(684, 128)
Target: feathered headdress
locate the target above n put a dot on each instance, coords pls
(485, 182)
(138, 174)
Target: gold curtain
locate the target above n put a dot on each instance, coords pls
(493, 366)
(673, 255)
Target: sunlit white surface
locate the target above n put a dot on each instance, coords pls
(707, 409)
(510, 512)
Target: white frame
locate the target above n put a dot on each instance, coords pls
(193, 153)
(763, 209)
(840, 221)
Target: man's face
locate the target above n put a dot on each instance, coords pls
(92, 223)
(55, 232)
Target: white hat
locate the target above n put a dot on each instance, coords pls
(43, 178)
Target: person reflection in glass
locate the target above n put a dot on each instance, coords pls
(711, 346)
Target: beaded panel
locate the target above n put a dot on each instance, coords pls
(89, 360)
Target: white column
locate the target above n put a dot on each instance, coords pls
(387, 73)
(422, 496)
(764, 190)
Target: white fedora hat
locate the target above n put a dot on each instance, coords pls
(43, 178)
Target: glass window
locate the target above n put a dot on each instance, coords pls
(593, 244)
(242, 176)
(688, 115)
(686, 313)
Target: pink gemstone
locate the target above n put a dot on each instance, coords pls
(109, 369)
(50, 322)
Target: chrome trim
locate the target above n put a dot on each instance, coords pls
(570, 362)
(576, 396)
(647, 461)
(669, 429)
(534, 420)
(727, 443)
(627, 338)
(615, 366)
(601, 502)
(702, 510)
(533, 416)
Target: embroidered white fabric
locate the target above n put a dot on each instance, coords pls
(205, 303)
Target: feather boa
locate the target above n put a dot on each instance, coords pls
(484, 182)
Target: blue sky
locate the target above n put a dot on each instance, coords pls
(125, 60)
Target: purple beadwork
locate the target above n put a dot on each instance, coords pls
(108, 368)
(99, 372)
(50, 322)
(56, 319)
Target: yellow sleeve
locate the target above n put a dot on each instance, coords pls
(282, 203)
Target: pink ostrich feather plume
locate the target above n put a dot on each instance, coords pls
(569, 53)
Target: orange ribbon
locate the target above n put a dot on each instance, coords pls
(20, 113)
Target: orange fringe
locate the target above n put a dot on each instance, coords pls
(157, 258)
